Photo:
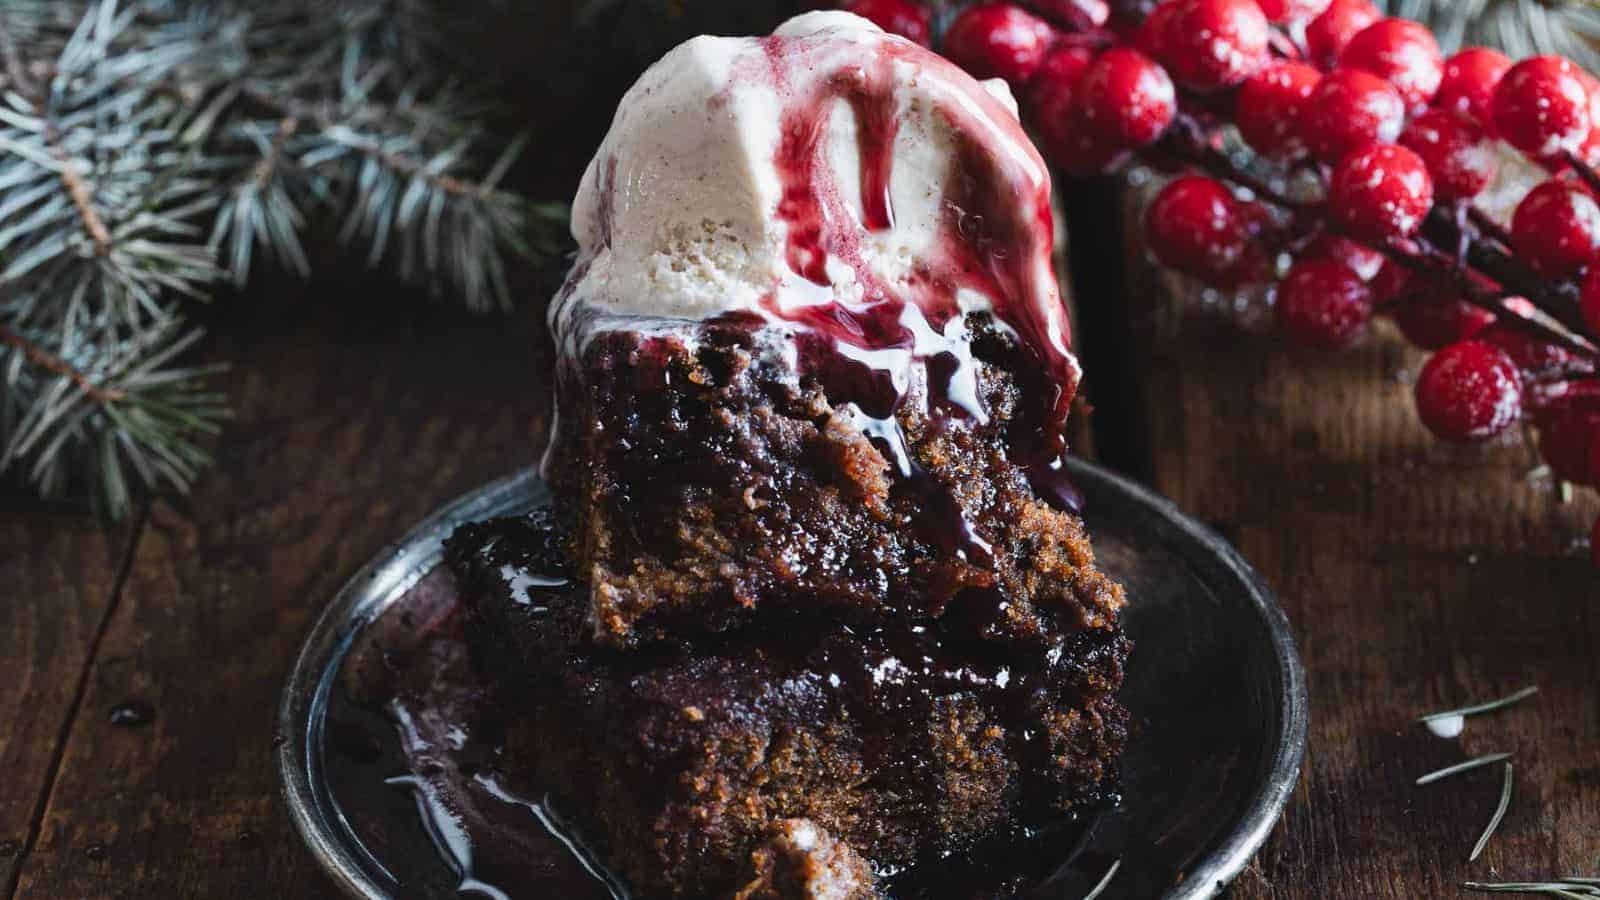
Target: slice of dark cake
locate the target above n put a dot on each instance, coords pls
(703, 482)
(901, 743)
(829, 598)
(813, 356)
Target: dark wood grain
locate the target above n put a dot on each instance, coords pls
(58, 580)
(354, 420)
(1418, 577)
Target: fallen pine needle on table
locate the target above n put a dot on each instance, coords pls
(1458, 768)
(1491, 706)
(1104, 882)
(1499, 814)
(1582, 888)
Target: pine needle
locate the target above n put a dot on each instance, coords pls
(1105, 882)
(1499, 815)
(1490, 706)
(1458, 768)
(1569, 888)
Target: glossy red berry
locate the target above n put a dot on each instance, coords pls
(1567, 442)
(1213, 44)
(1292, 10)
(1556, 228)
(1361, 259)
(1127, 98)
(1392, 280)
(1196, 226)
(1075, 15)
(1545, 400)
(1328, 33)
(1350, 108)
(1077, 149)
(1257, 265)
(1469, 391)
(999, 40)
(1270, 106)
(1455, 149)
(1468, 83)
(1379, 192)
(1541, 107)
(1435, 321)
(1151, 36)
(1589, 301)
(1532, 356)
(1323, 304)
(1589, 149)
(907, 18)
(1054, 111)
(1055, 84)
(1400, 52)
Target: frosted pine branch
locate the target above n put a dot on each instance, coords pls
(1521, 28)
(109, 417)
(150, 149)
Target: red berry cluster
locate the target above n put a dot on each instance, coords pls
(1390, 146)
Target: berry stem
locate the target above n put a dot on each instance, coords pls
(1188, 142)
(1424, 257)
(1219, 164)
(1584, 170)
(1489, 227)
(1566, 374)
(1096, 39)
(1556, 299)
(1284, 46)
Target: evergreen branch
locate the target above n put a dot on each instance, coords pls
(406, 188)
(78, 190)
(262, 206)
(98, 226)
(1521, 28)
(393, 158)
(16, 75)
(144, 142)
(332, 129)
(119, 419)
(48, 361)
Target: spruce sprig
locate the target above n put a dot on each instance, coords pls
(1570, 28)
(149, 150)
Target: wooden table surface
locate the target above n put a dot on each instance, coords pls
(1417, 577)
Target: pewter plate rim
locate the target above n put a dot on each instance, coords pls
(395, 569)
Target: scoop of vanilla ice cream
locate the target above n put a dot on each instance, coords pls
(674, 210)
(676, 215)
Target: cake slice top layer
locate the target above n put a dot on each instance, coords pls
(813, 357)
(832, 180)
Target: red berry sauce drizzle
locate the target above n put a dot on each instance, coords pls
(995, 240)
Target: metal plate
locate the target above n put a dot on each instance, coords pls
(1215, 686)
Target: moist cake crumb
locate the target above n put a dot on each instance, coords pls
(904, 742)
(801, 861)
